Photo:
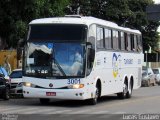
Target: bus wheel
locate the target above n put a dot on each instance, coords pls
(123, 94)
(129, 93)
(44, 100)
(93, 101)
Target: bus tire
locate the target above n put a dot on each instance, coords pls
(129, 93)
(122, 95)
(93, 101)
(44, 101)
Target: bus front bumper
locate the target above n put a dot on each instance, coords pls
(67, 94)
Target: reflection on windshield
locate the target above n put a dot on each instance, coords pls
(38, 59)
(55, 59)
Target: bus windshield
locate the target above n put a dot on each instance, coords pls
(58, 32)
(60, 60)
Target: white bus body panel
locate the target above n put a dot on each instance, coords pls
(113, 67)
(58, 84)
(110, 68)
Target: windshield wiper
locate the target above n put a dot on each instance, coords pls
(59, 67)
(55, 61)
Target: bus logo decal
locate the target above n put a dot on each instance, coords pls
(50, 85)
(115, 62)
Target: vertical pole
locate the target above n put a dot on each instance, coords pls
(150, 51)
(157, 59)
(146, 59)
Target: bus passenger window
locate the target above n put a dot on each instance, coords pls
(92, 35)
(125, 41)
(122, 41)
(100, 40)
(139, 43)
(119, 40)
(108, 42)
(129, 43)
(132, 42)
(135, 43)
(115, 40)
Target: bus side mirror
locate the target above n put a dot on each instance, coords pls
(91, 51)
(91, 54)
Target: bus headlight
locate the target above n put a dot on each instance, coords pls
(76, 86)
(27, 84)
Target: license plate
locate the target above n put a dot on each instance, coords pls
(50, 93)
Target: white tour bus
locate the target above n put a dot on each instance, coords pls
(80, 58)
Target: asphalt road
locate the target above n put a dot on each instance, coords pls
(145, 100)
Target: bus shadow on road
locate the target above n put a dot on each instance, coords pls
(79, 103)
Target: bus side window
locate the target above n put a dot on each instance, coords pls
(100, 38)
(115, 40)
(129, 43)
(125, 41)
(108, 42)
(139, 43)
(135, 43)
(132, 42)
(91, 48)
(92, 35)
(122, 41)
(119, 40)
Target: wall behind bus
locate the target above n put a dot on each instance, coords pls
(11, 56)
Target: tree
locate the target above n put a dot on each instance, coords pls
(140, 22)
(127, 13)
(17, 14)
(116, 11)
